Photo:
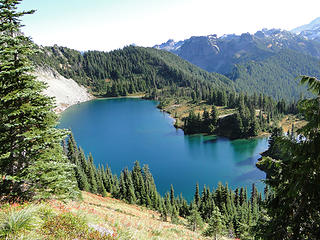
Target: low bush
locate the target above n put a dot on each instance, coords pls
(15, 221)
(70, 226)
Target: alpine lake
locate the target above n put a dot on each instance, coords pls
(122, 130)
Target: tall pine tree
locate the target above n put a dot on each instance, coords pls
(32, 163)
(294, 177)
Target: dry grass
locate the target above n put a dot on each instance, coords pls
(127, 221)
(287, 121)
(181, 108)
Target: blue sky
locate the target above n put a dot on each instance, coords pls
(111, 24)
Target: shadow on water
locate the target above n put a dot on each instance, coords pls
(176, 132)
(210, 141)
(249, 161)
(245, 146)
(199, 139)
(193, 141)
(253, 174)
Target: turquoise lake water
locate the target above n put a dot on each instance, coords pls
(120, 131)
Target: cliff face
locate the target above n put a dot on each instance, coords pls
(66, 91)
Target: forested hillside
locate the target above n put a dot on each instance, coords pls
(162, 76)
(292, 167)
(266, 62)
(130, 70)
(227, 212)
(276, 75)
(136, 69)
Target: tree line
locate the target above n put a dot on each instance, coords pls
(276, 75)
(32, 163)
(235, 212)
(293, 174)
(252, 115)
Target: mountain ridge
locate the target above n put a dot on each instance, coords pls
(314, 24)
(310, 31)
(229, 52)
(218, 54)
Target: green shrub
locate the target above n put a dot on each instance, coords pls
(13, 221)
(65, 226)
(46, 212)
(70, 226)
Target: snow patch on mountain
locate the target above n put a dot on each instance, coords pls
(309, 31)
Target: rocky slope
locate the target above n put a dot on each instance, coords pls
(66, 91)
(267, 62)
(220, 54)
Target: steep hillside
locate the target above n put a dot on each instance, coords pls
(219, 54)
(254, 69)
(266, 62)
(95, 217)
(66, 91)
(132, 69)
(132, 221)
(276, 75)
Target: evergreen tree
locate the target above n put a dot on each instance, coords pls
(100, 185)
(130, 194)
(254, 127)
(83, 161)
(254, 193)
(242, 198)
(122, 193)
(206, 121)
(197, 196)
(194, 220)
(92, 175)
(81, 179)
(75, 158)
(72, 148)
(293, 206)
(32, 163)
(215, 224)
(167, 202)
(174, 215)
(163, 211)
(172, 199)
(150, 188)
(214, 116)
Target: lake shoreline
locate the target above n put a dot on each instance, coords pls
(118, 132)
(174, 120)
(260, 135)
(60, 111)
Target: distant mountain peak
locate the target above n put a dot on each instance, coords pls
(316, 21)
(309, 31)
(169, 45)
(313, 25)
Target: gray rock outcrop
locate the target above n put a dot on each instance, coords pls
(65, 91)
